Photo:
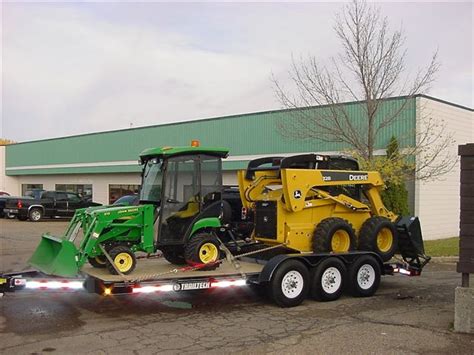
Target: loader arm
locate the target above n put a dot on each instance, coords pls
(298, 184)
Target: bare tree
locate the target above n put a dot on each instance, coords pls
(370, 68)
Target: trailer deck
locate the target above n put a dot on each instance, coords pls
(158, 269)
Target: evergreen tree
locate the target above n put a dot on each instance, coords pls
(395, 196)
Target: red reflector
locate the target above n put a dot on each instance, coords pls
(19, 204)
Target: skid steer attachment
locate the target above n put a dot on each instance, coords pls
(410, 242)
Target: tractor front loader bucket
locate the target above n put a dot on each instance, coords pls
(55, 256)
(410, 242)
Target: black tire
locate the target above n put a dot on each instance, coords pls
(35, 214)
(123, 258)
(289, 285)
(174, 256)
(364, 276)
(328, 280)
(22, 218)
(194, 252)
(327, 230)
(99, 262)
(379, 234)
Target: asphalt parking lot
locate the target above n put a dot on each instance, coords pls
(407, 315)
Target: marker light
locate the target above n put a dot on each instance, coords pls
(195, 143)
(223, 284)
(54, 285)
(107, 291)
(151, 289)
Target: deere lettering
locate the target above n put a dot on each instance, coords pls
(358, 177)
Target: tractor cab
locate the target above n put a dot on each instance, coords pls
(185, 186)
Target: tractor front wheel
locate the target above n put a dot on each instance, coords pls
(99, 262)
(124, 260)
(202, 248)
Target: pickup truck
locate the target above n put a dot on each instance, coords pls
(46, 204)
(35, 193)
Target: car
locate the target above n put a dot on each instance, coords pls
(128, 200)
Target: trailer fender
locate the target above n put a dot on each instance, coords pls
(273, 263)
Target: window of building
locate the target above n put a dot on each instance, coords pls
(29, 187)
(117, 191)
(84, 190)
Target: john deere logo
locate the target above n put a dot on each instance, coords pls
(297, 194)
(358, 177)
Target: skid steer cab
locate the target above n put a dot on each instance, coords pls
(181, 212)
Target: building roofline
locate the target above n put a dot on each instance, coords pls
(445, 102)
(234, 116)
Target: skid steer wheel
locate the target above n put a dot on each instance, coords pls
(334, 234)
(328, 280)
(364, 276)
(173, 256)
(202, 248)
(124, 260)
(99, 262)
(35, 214)
(379, 234)
(289, 285)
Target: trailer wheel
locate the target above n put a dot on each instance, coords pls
(35, 214)
(334, 234)
(124, 260)
(289, 284)
(364, 276)
(202, 248)
(328, 280)
(379, 234)
(99, 262)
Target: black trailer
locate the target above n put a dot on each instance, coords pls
(288, 279)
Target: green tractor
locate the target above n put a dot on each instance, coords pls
(181, 212)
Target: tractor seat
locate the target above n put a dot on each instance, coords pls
(215, 208)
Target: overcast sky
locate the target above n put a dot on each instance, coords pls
(71, 68)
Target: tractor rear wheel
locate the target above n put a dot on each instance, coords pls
(202, 248)
(379, 234)
(124, 260)
(334, 235)
(99, 262)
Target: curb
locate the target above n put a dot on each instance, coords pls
(444, 259)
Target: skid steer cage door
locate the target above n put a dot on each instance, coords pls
(410, 242)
